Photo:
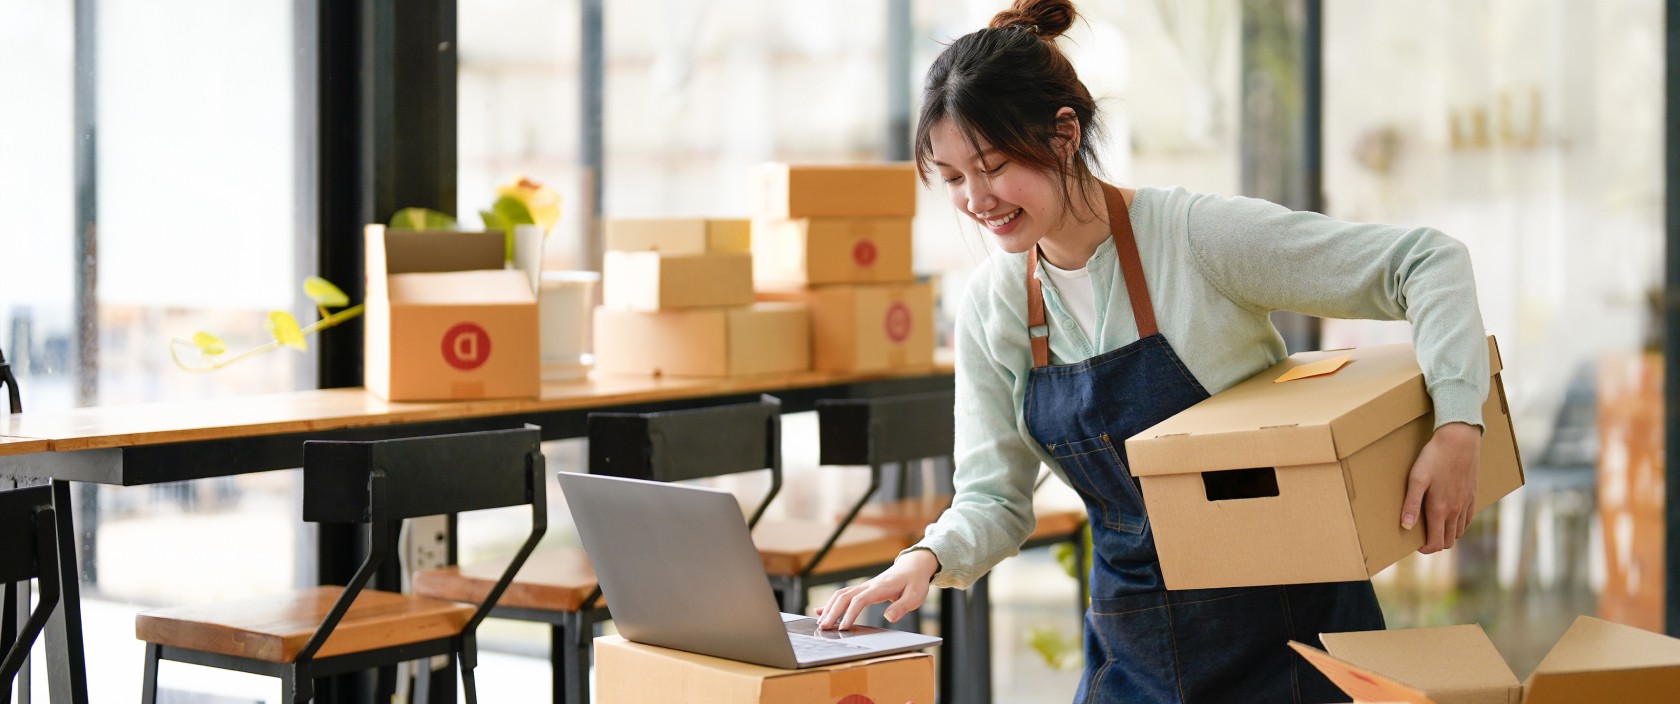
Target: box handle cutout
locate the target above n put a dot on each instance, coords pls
(1231, 484)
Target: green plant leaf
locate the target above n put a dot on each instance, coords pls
(208, 344)
(324, 293)
(1059, 651)
(284, 328)
(421, 219)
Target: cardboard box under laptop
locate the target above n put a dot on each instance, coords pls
(445, 320)
(630, 673)
(758, 339)
(651, 281)
(1302, 481)
(1594, 661)
(679, 235)
(784, 191)
(866, 327)
(816, 251)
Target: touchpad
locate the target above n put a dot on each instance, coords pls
(808, 627)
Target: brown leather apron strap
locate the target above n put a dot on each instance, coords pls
(1131, 266)
(1131, 269)
(1035, 313)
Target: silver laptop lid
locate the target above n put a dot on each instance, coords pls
(678, 568)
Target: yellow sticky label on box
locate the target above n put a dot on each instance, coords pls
(1319, 368)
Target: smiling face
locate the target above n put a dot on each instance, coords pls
(1015, 202)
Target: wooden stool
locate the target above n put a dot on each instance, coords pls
(902, 429)
(331, 630)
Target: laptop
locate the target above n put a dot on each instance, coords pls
(678, 569)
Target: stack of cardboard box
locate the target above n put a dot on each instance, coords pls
(677, 299)
(837, 238)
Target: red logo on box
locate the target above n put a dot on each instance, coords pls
(863, 253)
(466, 346)
(898, 322)
(855, 699)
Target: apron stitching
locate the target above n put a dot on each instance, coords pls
(1245, 592)
(1182, 369)
(1118, 353)
(1094, 612)
(1172, 634)
(1289, 623)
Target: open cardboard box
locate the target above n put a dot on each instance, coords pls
(628, 672)
(444, 320)
(1595, 661)
(1302, 481)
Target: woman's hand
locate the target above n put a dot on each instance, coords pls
(905, 584)
(1442, 488)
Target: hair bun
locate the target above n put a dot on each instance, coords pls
(1046, 18)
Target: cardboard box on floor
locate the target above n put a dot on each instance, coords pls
(679, 235)
(1594, 661)
(817, 251)
(866, 327)
(444, 320)
(650, 281)
(630, 673)
(1302, 481)
(785, 191)
(759, 339)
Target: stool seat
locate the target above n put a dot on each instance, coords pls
(551, 580)
(275, 628)
(913, 515)
(787, 546)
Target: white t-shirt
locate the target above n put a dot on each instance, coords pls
(1074, 288)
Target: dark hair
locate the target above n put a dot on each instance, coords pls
(1004, 84)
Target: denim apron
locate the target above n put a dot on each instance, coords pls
(1144, 643)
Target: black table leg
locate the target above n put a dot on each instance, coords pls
(66, 663)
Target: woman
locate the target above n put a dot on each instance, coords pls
(1081, 333)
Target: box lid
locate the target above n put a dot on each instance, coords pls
(1608, 662)
(1323, 418)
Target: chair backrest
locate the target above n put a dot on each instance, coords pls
(669, 446)
(10, 382)
(29, 520)
(876, 431)
(382, 482)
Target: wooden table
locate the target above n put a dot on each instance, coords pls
(162, 442)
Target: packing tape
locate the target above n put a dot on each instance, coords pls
(848, 681)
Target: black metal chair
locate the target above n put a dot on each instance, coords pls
(10, 382)
(898, 431)
(328, 631)
(799, 552)
(30, 522)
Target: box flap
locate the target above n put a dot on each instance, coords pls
(461, 288)
(1357, 682)
(1451, 664)
(412, 252)
(1608, 661)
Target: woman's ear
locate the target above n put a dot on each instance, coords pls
(1067, 132)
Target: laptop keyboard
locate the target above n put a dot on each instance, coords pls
(812, 648)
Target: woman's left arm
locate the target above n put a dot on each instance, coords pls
(1266, 257)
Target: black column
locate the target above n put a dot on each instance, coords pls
(898, 86)
(592, 80)
(1282, 118)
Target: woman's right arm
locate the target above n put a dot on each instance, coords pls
(991, 513)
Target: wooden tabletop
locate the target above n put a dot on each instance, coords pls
(332, 409)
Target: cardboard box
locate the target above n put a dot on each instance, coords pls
(1595, 661)
(1302, 481)
(866, 327)
(444, 320)
(784, 191)
(679, 235)
(630, 673)
(817, 251)
(652, 281)
(760, 339)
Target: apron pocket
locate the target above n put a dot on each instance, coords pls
(1095, 470)
(1233, 645)
(1140, 663)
